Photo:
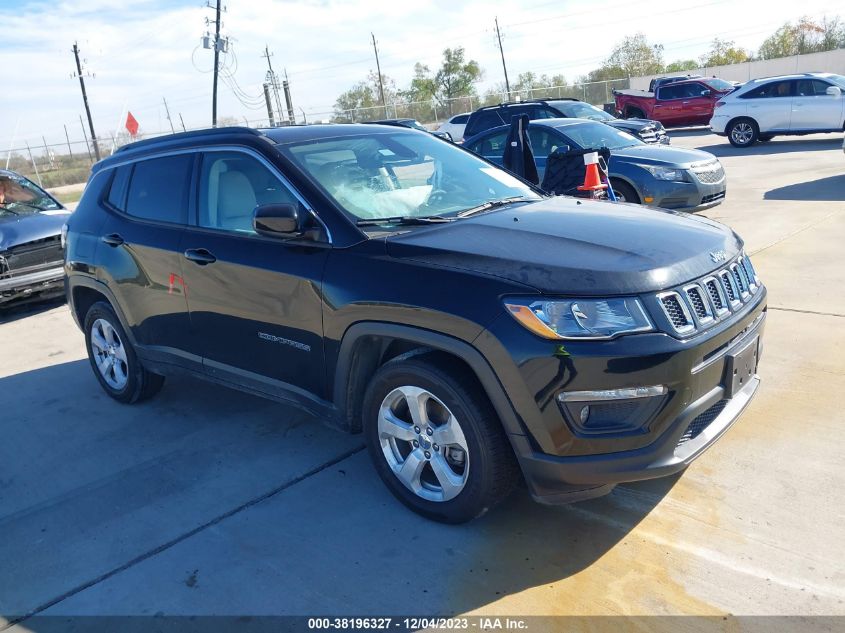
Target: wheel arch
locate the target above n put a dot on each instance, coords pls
(738, 118)
(630, 182)
(366, 346)
(83, 292)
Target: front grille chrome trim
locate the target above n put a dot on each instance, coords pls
(689, 325)
(710, 285)
(696, 295)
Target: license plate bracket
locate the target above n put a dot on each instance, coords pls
(741, 367)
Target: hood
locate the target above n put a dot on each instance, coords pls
(655, 154)
(20, 229)
(631, 125)
(559, 246)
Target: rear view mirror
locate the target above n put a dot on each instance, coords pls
(834, 91)
(705, 93)
(276, 220)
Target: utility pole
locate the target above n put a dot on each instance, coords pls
(67, 136)
(169, 120)
(502, 51)
(216, 66)
(288, 99)
(85, 136)
(378, 69)
(269, 105)
(182, 121)
(85, 100)
(273, 80)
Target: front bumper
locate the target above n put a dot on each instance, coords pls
(562, 464)
(38, 282)
(686, 196)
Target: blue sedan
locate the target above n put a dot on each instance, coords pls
(650, 174)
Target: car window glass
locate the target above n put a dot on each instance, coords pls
(117, 191)
(811, 88)
(232, 184)
(543, 142)
(461, 119)
(486, 120)
(546, 113)
(158, 188)
(771, 90)
(20, 196)
(669, 92)
(491, 146)
(694, 90)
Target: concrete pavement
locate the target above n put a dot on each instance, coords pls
(206, 501)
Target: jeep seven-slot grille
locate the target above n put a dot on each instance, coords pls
(672, 306)
(697, 302)
(712, 299)
(715, 297)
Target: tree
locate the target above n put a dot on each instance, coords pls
(805, 36)
(681, 65)
(722, 53)
(364, 96)
(455, 78)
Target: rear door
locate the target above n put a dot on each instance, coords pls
(255, 302)
(770, 105)
(813, 108)
(668, 104)
(139, 258)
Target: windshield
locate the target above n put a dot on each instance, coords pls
(19, 196)
(597, 135)
(719, 85)
(403, 175)
(839, 80)
(581, 110)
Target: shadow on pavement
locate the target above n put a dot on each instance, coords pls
(99, 499)
(830, 189)
(22, 309)
(688, 131)
(785, 146)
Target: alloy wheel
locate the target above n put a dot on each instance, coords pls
(423, 443)
(109, 354)
(742, 133)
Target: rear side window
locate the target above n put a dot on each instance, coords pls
(484, 121)
(158, 189)
(117, 191)
(769, 90)
(670, 92)
(461, 119)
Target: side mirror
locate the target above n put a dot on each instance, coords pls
(834, 91)
(276, 220)
(706, 93)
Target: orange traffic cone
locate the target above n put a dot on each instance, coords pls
(592, 179)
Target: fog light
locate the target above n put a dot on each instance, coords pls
(585, 414)
(609, 411)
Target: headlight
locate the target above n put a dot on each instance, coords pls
(581, 318)
(667, 173)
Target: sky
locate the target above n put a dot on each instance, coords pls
(138, 52)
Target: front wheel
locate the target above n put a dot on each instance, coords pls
(624, 192)
(114, 360)
(436, 441)
(743, 133)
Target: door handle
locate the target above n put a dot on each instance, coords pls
(112, 240)
(657, 105)
(200, 256)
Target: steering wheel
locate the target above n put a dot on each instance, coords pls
(436, 196)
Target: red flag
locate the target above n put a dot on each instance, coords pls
(131, 124)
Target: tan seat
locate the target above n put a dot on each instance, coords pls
(236, 202)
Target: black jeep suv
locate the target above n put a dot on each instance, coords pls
(475, 330)
(489, 117)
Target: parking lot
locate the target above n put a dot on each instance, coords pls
(208, 501)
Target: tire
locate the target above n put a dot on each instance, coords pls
(634, 113)
(476, 463)
(122, 377)
(624, 192)
(743, 132)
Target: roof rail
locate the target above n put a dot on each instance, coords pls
(211, 131)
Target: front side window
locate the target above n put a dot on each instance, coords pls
(492, 146)
(232, 184)
(544, 142)
(811, 88)
(19, 196)
(402, 175)
(158, 189)
(691, 91)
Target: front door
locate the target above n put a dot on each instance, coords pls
(255, 302)
(813, 108)
(771, 105)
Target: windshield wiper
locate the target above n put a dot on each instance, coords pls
(404, 220)
(493, 204)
